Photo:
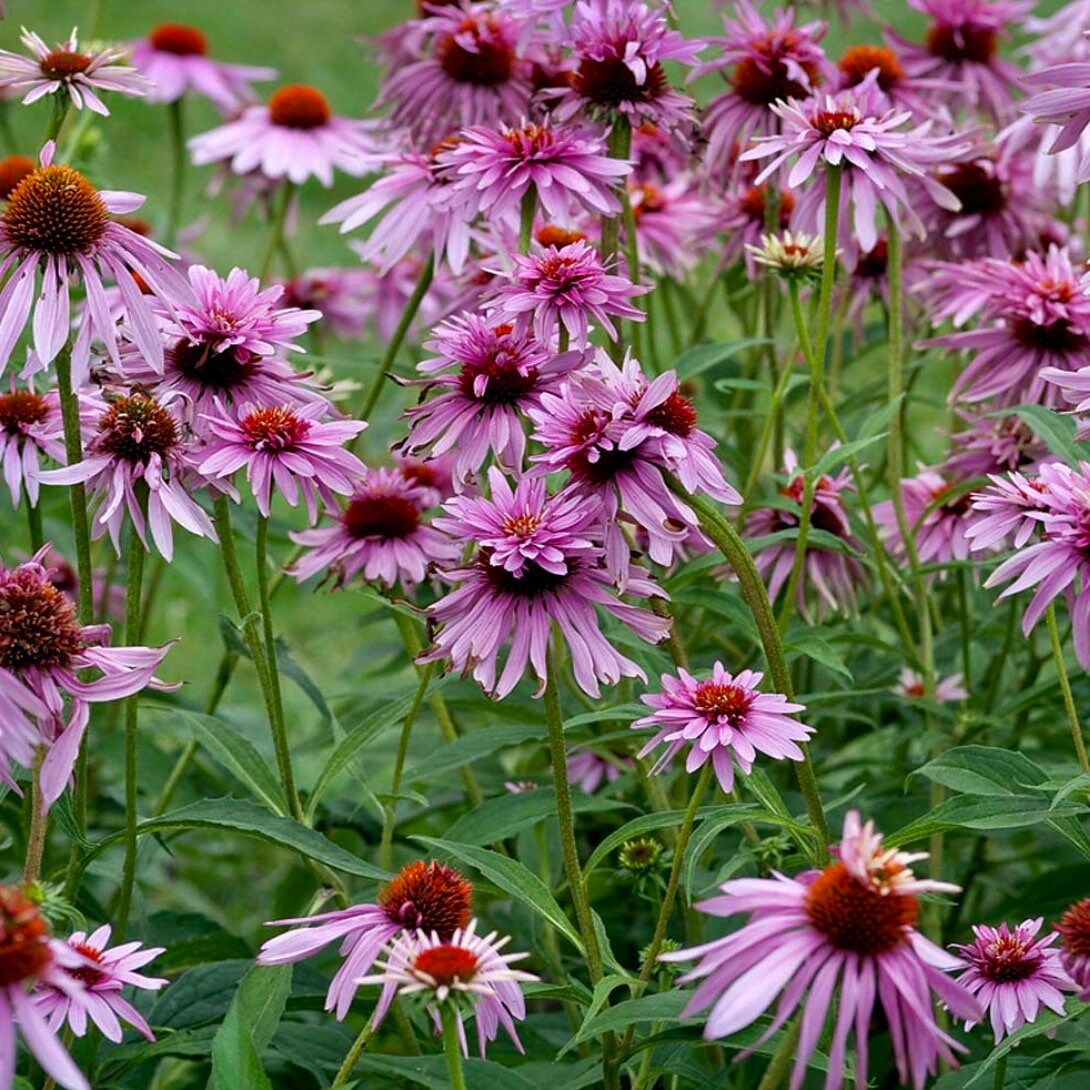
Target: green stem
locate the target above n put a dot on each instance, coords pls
(632, 259)
(999, 1079)
(56, 118)
(620, 146)
(39, 818)
(34, 524)
(180, 162)
(276, 239)
(256, 646)
(389, 819)
(134, 578)
(727, 541)
(352, 1057)
(1065, 688)
(670, 896)
(452, 1046)
(526, 219)
(427, 273)
(775, 1074)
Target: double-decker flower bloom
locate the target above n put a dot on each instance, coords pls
(65, 70)
(842, 938)
(724, 719)
(538, 562)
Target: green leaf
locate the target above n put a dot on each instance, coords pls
(241, 816)
(602, 991)
(980, 812)
(289, 667)
(319, 1048)
(200, 996)
(837, 455)
(431, 1072)
(1056, 430)
(513, 878)
(704, 357)
(983, 770)
(230, 748)
(814, 647)
(190, 940)
(727, 606)
(660, 1007)
(507, 815)
(621, 712)
(251, 1021)
(472, 747)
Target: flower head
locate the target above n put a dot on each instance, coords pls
(288, 447)
(1013, 974)
(725, 719)
(948, 690)
(381, 534)
(30, 427)
(794, 255)
(65, 70)
(936, 513)
(464, 966)
(174, 58)
(295, 137)
(342, 296)
(674, 223)
(1074, 929)
(428, 896)
(104, 974)
(28, 956)
(588, 770)
(843, 937)
(538, 561)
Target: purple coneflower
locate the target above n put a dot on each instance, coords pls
(341, 295)
(139, 443)
(566, 287)
(104, 974)
(55, 221)
(675, 224)
(744, 217)
(937, 513)
(472, 72)
(67, 71)
(30, 427)
(174, 57)
(288, 447)
(857, 62)
(381, 534)
(961, 49)
(29, 956)
(769, 60)
(428, 896)
(1013, 974)
(845, 937)
(948, 690)
(538, 563)
(994, 444)
(293, 138)
(492, 169)
(464, 966)
(857, 131)
(1074, 929)
(482, 377)
(833, 573)
(587, 770)
(620, 47)
(1010, 507)
(725, 719)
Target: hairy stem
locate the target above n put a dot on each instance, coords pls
(1065, 688)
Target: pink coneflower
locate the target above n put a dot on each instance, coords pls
(843, 936)
(833, 573)
(657, 156)
(104, 975)
(1059, 563)
(465, 965)
(288, 447)
(675, 224)
(744, 217)
(138, 441)
(416, 196)
(30, 427)
(429, 896)
(225, 345)
(174, 57)
(937, 513)
(341, 295)
(20, 713)
(566, 167)
(961, 48)
(13, 169)
(65, 70)
(435, 476)
(588, 770)
(857, 62)
(948, 690)
(57, 222)
(1013, 974)
(857, 131)
(483, 377)
(565, 286)
(1036, 329)
(29, 956)
(293, 138)
(620, 47)
(538, 563)
(725, 719)
(1009, 508)
(994, 444)
(45, 647)
(472, 73)
(1074, 929)
(770, 60)
(381, 534)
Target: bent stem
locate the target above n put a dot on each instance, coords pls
(670, 896)
(452, 1046)
(726, 540)
(134, 578)
(178, 168)
(427, 273)
(1065, 688)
